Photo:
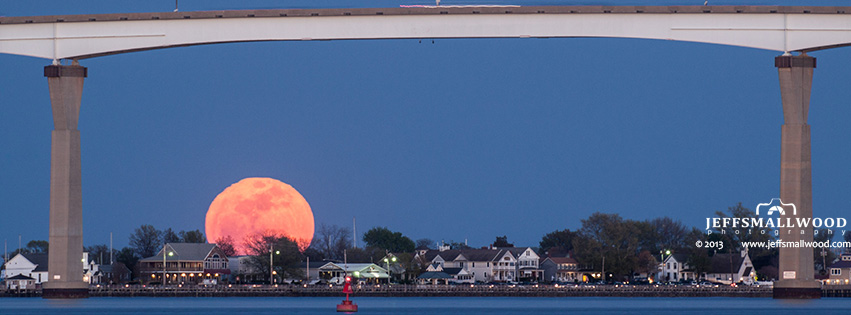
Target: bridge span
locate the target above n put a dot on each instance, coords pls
(778, 28)
(77, 37)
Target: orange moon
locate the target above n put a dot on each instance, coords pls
(257, 205)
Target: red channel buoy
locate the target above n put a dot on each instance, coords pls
(347, 305)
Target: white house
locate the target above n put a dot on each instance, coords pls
(675, 268)
(30, 265)
(456, 275)
(483, 265)
(368, 272)
(527, 266)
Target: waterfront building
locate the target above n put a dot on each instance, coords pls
(311, 271)
(527, 267)
(30, 265)
(241, 271)
(731, 268)
(560, 269)
(20, 282)
(186, 263)
(675, 268)
(436, 271)
(363, 272)
(487, 264)
(840, 271)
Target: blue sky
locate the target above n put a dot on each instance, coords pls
(460, 139)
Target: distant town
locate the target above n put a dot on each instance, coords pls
(606, 250)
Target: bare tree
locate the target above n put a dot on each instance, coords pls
(146, 241)
(331, 240)
(425, 243)
(285, 251)
(226, 245)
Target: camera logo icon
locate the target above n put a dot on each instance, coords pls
(775, 205)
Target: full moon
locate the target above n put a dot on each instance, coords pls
(258, 205)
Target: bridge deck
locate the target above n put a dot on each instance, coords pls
(428, 11)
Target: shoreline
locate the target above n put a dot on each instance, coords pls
(427, 291)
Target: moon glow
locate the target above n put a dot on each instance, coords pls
(257, 205)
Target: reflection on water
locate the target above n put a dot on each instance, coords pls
(422, 305)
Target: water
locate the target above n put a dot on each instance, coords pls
(422, 305)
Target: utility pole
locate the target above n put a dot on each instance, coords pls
(111, 262)
(354, 234)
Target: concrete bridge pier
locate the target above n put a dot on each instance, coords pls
(796, 276)
(65, 267)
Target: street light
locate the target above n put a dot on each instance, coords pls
(389, 274)
(169, 254)
(272, 262)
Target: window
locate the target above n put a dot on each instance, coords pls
(835, 271)
(474, 265)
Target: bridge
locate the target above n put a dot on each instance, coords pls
(77, 37)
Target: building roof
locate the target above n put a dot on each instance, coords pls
(721, 263)
(434, 275)
(313, 264)
(184, 252)
(38, 259)
(19, 277)
(841, 264)
(562, 260)
(105, 268)
(483, 254)
(364, 269)
(518, 251)
(452, 271)
(679, 257)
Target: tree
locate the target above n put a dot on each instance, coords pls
(226, 245)
(331, 240)
(99, 253)
(192, 237)
(608, 235)
(170, 237)
(365, 255)
(286, 254)
(38, 246)
(502, 241)
(425, 243)
(383, 238)
(662, 234)
(146, 241)
(647, 262)
(698, 258)
(557, 242)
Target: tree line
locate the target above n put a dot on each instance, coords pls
(628, 246)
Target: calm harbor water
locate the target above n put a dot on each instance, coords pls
(423, 305)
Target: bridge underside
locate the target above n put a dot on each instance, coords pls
(777, 28)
